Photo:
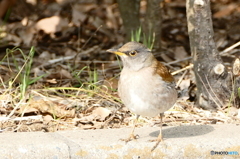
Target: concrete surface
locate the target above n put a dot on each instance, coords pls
(179, 142)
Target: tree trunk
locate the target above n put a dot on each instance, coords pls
(214, 83)
(153, 22)
(5, 5)
(129, 10)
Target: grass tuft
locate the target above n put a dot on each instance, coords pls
(147, 40)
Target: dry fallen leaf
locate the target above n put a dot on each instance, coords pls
(101, 113)
(50, 107)
(225, 11)
(53, 81)
(185, 84)
(65, 74)
(52, 24)
(98, 113)
(47, 118)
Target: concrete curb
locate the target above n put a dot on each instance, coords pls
(179, 142)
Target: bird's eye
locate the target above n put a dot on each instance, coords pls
(133, 53)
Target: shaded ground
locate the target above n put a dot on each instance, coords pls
(78, 80)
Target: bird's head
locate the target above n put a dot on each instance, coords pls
(134, 55)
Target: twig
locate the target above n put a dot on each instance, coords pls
(50, 62)
(180, 80)
(230, 48)
(35, 117)
(183, 69)
(180, 60)
(16, 107)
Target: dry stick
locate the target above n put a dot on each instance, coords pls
(180, 60)
(7, 63)
(38, 117)
(50, 62)
(181, 78)
(16, 107)
(99, 61)
(2, 83)
(230, 48)
(37, 93)
(183, 69)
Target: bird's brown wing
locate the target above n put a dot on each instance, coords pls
(163, 71)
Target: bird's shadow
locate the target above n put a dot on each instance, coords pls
(184, 131)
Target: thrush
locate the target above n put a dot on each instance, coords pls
(146, 87)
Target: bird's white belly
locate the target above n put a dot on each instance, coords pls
(141, 107)
(144, 98)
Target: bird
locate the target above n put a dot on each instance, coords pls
(146, 87)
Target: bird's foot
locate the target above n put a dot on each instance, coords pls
(158, 140)
(130, 138)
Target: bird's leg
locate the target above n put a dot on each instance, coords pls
(160, 138)
(132, 136)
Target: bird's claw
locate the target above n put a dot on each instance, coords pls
(130, 138)
(158, 140)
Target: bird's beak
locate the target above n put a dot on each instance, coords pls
(115, 51)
